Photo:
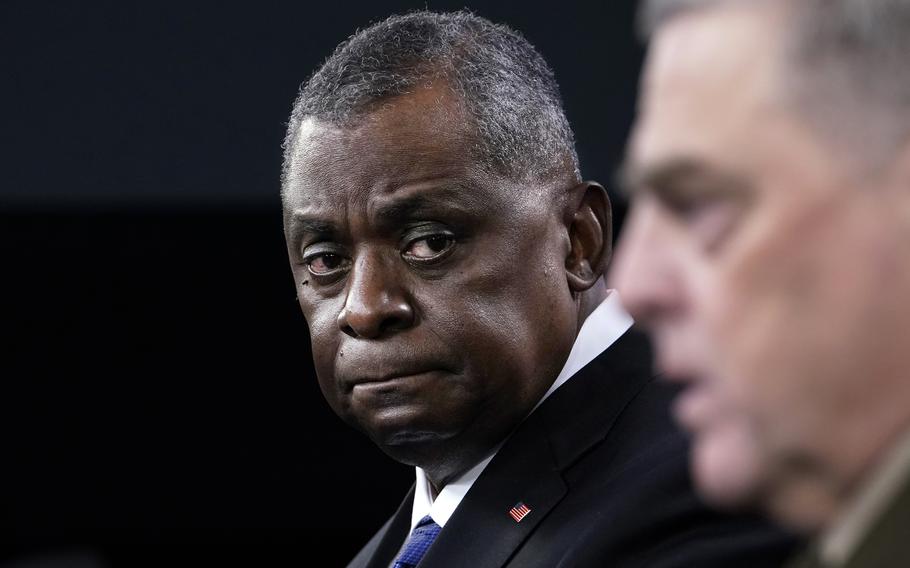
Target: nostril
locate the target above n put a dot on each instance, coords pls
(395, 322)
(347, 323)
(379, 320)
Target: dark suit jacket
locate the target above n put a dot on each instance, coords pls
(605, 474)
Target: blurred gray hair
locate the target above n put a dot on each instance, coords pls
(847, 70)
(503, 82)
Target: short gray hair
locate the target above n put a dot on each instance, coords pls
(847, 68)
(503, 82)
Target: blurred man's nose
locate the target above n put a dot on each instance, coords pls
(376, 303)
(644, 270)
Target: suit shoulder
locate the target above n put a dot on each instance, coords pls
(369, 549)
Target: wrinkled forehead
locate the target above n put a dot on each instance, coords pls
(430, 116)
(423, 134)
(340, 169)
(359, 181)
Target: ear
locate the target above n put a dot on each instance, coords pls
(590, 223)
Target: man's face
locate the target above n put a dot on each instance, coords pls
(772, 278)
(435, 292)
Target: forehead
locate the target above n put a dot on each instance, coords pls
(711, 76)
(716, 96)
(423, 133)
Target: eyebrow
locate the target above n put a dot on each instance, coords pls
(302, 223)
(680, 179)
(442, 199)
(394, 210)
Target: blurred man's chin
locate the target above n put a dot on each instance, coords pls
(804, 507)
(726, 468)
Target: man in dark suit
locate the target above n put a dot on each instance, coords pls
(767, 251)
(448, 260)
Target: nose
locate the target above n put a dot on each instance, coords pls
(645, 271)
(376, 303)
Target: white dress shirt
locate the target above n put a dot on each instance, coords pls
(602, 327)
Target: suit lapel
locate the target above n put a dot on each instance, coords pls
(528, 468)
(582, 412)
(481, 528)
(390, 538)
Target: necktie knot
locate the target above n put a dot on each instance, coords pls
(418, 543)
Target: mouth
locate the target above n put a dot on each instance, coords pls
(676, 372)
(395, 382)
(696, 407)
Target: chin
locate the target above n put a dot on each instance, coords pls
(413, 439)
(727, 469)
(409, 442)
(426, 450)
(397, 425)
(802, 506)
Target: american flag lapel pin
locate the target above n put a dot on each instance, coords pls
(519, 511)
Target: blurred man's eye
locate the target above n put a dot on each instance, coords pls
(709, 220)
(430, 247)
(713, 221)
(706, 201)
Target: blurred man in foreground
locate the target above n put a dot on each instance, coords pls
(448, 260)
(767, 252)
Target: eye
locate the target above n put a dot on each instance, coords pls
(429, 247)
(713, 220)
(322, 264)
(710, 220)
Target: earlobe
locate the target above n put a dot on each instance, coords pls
(590, 236)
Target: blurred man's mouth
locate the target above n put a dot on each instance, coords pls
(695, 405)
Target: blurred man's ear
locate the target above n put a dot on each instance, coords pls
(590, 234)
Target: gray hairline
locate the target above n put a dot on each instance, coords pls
(556, 181)
(494, 139)
(844, 90)
(356, 116)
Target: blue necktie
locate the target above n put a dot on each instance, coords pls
(418, 543)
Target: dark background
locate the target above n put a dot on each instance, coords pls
(157, 404)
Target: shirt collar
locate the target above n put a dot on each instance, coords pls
(842, 540)
(598, 332)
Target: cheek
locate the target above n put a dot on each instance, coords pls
(324, 343)
(506, 282)
(506, 316)
(760, 349)
(787, 318)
